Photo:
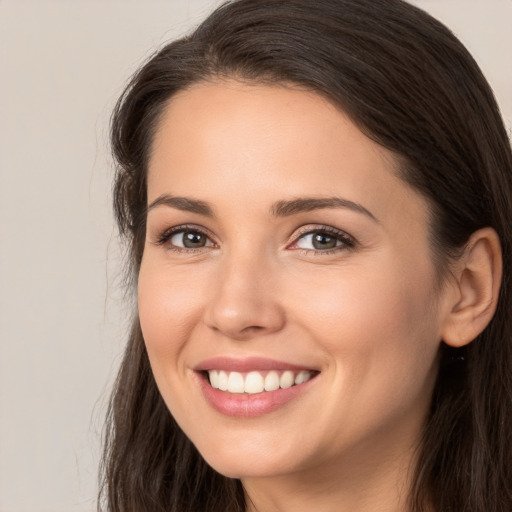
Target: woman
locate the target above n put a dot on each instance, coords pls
(316, 197)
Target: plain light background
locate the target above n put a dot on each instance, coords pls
(62, 310)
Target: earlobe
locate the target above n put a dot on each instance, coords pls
(477, 282)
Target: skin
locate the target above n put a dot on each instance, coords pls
(369, 317)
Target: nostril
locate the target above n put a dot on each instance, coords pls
(253, 328)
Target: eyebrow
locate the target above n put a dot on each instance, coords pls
(278, 209)
(307, 204)
(185, 204)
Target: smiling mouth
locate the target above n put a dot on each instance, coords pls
(254, 382)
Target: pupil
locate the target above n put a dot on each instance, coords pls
(321, 241)
(193, 240)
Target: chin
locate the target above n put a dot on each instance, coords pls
(244, 469)
(234, 461)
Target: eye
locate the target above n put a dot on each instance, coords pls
(190, 240)
(183, 238)
(323, 240)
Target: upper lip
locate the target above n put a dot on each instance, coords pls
(247, 364)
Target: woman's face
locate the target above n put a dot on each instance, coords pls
(282, 247)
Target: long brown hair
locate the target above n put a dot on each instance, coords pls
(411, 86)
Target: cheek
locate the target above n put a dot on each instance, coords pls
(169, 305)
(366, 304)
(379, 329)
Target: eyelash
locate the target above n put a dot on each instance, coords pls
(165, 236)
(347, 242)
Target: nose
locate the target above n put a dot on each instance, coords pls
(245, 301)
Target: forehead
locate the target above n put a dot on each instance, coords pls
(221, 113)
(227, 140)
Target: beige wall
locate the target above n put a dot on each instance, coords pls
(62, 65)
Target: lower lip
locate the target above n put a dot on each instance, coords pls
(250, 405)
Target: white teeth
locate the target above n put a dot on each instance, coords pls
(272, 381)
(214, 379)
(223, 381)
(287, 380)
(254, 382)
(302, 377)
(235, 383)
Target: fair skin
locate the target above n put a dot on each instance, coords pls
(344, 291)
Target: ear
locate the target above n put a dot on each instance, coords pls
(476, 288)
